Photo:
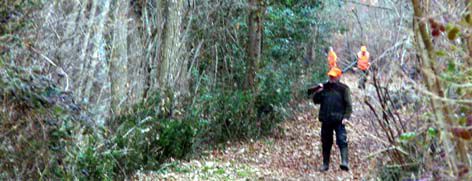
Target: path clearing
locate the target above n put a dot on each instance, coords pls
(293, 154)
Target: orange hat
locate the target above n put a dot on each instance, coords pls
(363, 48)
(335, 72)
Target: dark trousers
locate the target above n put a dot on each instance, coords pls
(363, 79)
(327, 136)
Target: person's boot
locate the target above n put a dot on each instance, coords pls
(325, 166)
(360, 84)
(344, 159)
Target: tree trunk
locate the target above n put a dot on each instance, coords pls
(84, 70)
(136, 50)
(153, 17)
(119, 58)
(170, 49)
(255, 41)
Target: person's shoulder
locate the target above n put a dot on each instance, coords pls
(342, 85)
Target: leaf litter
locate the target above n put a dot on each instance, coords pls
(291, 154)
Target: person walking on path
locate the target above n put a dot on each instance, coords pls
(363, 64)
(332, 58)
(334, 98)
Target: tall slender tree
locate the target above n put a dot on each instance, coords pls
(255, 41)
(254, 48)
(170, 59)
(119, 57)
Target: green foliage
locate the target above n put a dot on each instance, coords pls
(142, 139)
(38, 122)
(432, 132)
(16, 17)
(91, 161)
(398, 172)
(228, 114)
(221, 107)
(13, 14)
(453, 33)
(274, 89)
(224, 114)
(285, 30)
(150, 134)
(162, 126)
(407, 136)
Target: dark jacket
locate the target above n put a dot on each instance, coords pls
(335, 100)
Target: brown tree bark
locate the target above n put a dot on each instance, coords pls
(119, 58)
(254, 48)
(171, 56)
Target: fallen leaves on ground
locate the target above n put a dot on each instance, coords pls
(293, 154)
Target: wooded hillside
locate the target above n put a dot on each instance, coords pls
(114, 89)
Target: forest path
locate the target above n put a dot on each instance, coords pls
(292, 154)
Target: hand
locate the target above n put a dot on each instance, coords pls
(320, 89)
(344, 122)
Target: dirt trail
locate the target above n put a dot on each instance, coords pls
(293, 154)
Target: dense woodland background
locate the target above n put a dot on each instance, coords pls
(102, 89)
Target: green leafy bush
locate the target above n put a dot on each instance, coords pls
(227, 115)
(150, 134)
(237, 114)
(38, 123)
(43, 137)
(92, 160)
(153, 132)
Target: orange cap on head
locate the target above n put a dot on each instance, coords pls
(363, 48)
(335, 72)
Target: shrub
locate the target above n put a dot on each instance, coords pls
(237, 114)
(38, 122)
(142, 139)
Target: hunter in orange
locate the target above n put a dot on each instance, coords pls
(332, 58)
(335, 102)
(363, 59)
(363, 64)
